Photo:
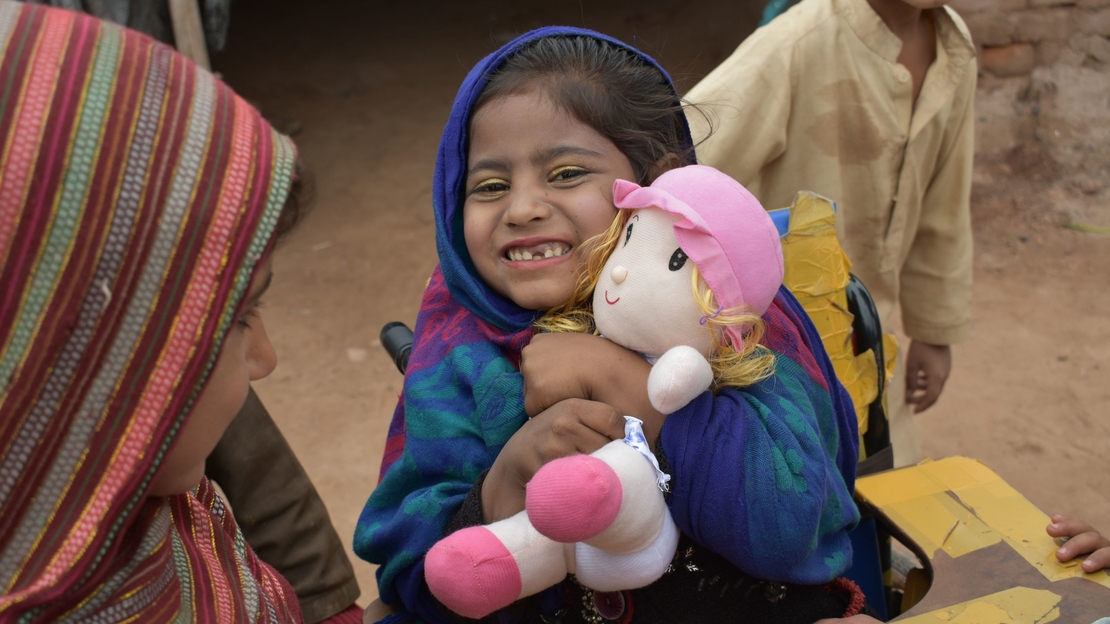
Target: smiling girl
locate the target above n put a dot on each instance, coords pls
(539, 133)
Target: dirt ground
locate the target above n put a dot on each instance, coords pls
(367, 87)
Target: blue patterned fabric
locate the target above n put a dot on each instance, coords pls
(779, 457)
(764, 475)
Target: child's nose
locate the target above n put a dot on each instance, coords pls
(619, 274)
(261, 355)
(528, 206)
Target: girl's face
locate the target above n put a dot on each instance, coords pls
(245, 356)
(540, 183)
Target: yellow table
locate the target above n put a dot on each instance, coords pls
(990, 558)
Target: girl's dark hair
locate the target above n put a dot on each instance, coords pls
(298, 203)
(606, 87)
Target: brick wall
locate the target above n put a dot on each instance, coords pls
(1044, 85)
(1016, 36)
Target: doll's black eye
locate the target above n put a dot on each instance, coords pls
(628, 233)
(678, 258)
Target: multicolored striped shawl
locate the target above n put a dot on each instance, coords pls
(137, 195)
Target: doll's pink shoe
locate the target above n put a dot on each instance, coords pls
(472, 573)
(573, 498)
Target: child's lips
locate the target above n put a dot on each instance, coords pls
(532, 251)
(535, 252)
(536, 264)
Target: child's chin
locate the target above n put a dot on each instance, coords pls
(541, 300)
(178, 483)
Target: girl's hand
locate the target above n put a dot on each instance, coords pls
(567, 428)
(563, 366)
(566, 366)
(1082, 539)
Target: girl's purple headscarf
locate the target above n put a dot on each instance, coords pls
(450, 177)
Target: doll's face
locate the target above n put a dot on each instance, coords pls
(644, 299)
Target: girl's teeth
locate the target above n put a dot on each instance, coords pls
(550, 252)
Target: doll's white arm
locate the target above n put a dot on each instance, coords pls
(680, 375)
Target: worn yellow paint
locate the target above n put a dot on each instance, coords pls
(1019, 605)
(959, 505)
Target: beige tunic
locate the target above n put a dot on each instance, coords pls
(816, 100)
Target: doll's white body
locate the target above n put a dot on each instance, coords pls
(602, 516)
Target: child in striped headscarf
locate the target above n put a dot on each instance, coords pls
(139, 202)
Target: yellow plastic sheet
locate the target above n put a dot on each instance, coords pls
(817, 272)
(959, 505)
(1020, 605)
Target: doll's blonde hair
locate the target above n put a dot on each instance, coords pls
(736, 368)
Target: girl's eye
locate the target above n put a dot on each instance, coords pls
(563, 174)
(628, 234)
(491, 188)
(678, 259)
(244, 319)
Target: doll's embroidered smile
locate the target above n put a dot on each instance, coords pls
(537, 252)
(613, 302)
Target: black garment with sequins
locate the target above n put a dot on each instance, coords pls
(699, 587)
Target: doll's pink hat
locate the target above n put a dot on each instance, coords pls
(724, 230)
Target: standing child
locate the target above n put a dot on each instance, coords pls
(761, 476)
(870, 103)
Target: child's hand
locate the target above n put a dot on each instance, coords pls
(927, 368)
(566, 366)
(1082, 539)
(567, 428)
(561, 366)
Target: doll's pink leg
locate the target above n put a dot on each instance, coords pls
(573, 498)
(479, 570)
(608, 499)
(606, 571)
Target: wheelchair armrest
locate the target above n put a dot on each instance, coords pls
(397, 340)
(868, 333)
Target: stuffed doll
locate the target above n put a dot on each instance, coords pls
(694, 264)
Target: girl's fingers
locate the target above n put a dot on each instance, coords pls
(601, 419)
(613, 423)
(1081, 540)
(1080, 545)
(577, 426)
(1098, 560)
(1063, 526)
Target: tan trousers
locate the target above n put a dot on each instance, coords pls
(903, 434)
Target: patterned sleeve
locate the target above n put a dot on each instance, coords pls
(764, 475)
(458, 414)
